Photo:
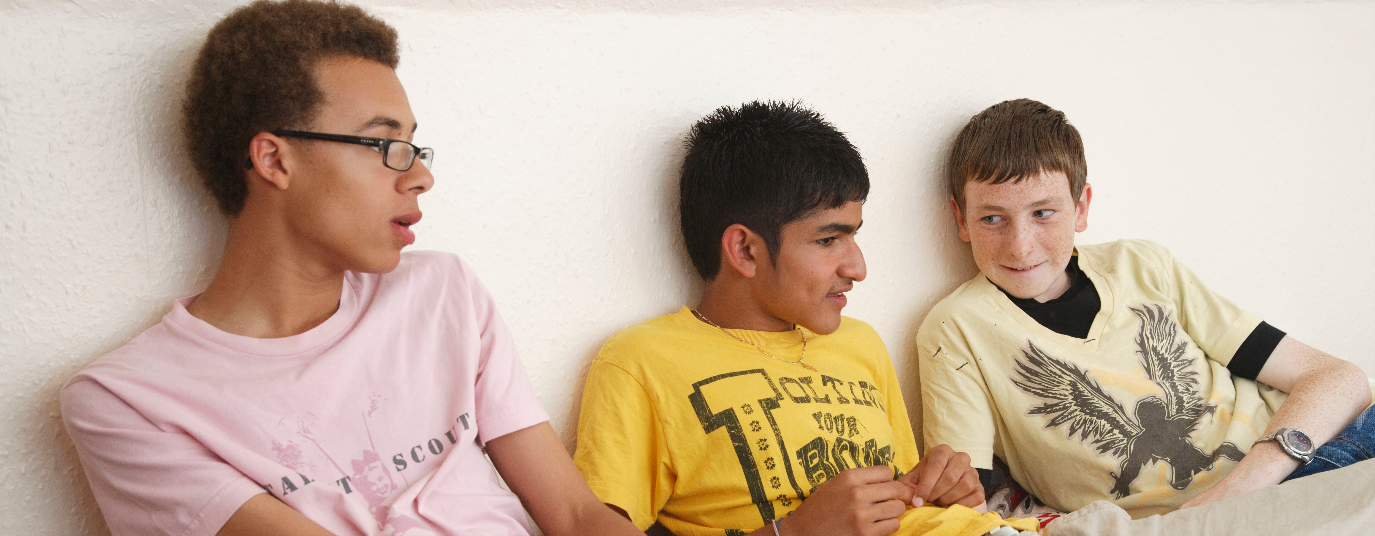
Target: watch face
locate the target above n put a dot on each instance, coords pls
(1299, 441)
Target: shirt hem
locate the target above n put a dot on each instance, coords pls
(221, 506)
(508, 422)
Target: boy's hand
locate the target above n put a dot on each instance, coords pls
(865, 501)
(1267, 465)
(944, 477)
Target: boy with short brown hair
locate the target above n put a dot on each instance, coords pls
(1108, 371)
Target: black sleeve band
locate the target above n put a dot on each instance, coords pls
(1251, 357)
(986, 478)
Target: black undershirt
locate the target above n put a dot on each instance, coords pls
(1073, 312)
(1070, 314)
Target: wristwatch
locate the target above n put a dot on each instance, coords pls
(1295, 443)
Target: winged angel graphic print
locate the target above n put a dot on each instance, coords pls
(1157, 429)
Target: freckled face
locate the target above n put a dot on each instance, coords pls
(818, 261)
(1022, 233)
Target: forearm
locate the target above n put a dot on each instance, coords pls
(1325, 395)
(1322, 401)
(1320, 409)
(264, 515)
(585, 518)
(537, 469)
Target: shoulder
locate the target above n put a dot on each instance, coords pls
(426, 276)
(645, 340)
(1126, 247)
(1131, 264)
(154, 348)
(861, 341)
(83, 398)
(423, 264)
(1126, 254)
(852, 330)
(157, 353)
(975, 298)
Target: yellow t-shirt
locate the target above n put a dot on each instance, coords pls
(1142, 412)
(684, 425)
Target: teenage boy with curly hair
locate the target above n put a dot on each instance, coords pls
(1110, 372)
(763, 401)
(324, 382)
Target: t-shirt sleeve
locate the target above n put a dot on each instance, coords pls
(504, 400)
(905, 455)
(149, 481)
(1216, 324)
(621, 447)
(954, 397)
(1255, 351)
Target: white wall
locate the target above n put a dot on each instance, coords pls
(1239, 134)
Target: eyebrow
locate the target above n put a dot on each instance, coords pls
(842, 228)
(1040, 203)
(384, 121)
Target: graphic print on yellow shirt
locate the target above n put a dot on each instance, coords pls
(683, 425)
(1141, 412)
(834, 449)
(1157, 429)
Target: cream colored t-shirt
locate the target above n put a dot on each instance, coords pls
(1142, 412)
(685, 425)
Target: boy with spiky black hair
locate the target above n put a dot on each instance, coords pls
(764, 402)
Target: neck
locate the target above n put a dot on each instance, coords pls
(730, 303)
(265, 288)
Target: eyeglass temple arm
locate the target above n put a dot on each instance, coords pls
(330, 137)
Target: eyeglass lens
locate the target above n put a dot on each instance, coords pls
(400, 155)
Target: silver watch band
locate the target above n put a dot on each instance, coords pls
(1298, 452)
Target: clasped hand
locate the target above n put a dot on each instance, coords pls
(868, 501)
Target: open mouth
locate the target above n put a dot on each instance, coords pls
(401, 227)
(408, 220)
(837, 297)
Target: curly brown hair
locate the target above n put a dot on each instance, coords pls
(254, 74)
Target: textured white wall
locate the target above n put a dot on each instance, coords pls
(1236, 133)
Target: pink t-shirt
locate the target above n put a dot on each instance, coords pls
(371, 423)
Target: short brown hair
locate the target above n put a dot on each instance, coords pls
(1013, 140)
(254, 74)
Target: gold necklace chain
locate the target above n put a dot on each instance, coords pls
(800, 361)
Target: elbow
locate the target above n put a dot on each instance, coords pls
(1362, 385)
(1362, 380)
(1354, 377)
(1335, 375)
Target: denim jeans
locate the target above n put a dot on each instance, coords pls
(1354, 444)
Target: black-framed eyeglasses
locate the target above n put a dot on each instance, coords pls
(399, 155)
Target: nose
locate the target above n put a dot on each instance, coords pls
(416, 180)
(1022, 240)
(853, 266)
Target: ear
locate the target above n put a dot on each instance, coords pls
(1081, 209)
(268, 154)
(742, 250)
(959, 219)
